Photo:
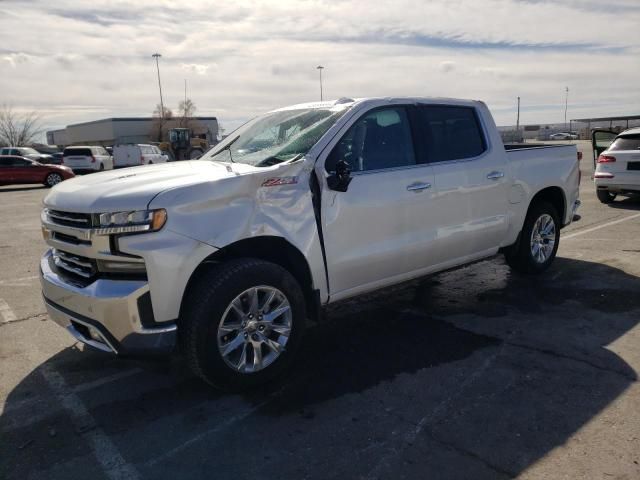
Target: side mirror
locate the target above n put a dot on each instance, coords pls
(340, 180)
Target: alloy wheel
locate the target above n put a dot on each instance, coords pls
(254, 329)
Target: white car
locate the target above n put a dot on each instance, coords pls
(563, 136)
(129, 155)
(229, 255)
(83, 159)
(618, 167)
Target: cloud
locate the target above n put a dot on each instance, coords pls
(66, 60)
(244, 57)
(195, 68)
(18, 58)
(447, 66)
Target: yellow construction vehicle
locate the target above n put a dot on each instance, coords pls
(183, 145)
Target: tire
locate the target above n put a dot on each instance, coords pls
(101, 167)
(521, 256)
(208, 318)
(605, 196)
(53, 179)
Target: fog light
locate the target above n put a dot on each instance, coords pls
(111, 266)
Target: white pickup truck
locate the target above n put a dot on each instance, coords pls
(225, 258)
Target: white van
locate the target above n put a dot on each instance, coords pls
(137, 154)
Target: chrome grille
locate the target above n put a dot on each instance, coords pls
(75, 264)
(69, 219)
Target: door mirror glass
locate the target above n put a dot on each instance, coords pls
(341, 178)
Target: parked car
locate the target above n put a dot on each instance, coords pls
(83, 159)
(130, 155)
(618, 166)
(56, 158)
(563, 136)
(27, 152)
(229, 255)
(17, 170)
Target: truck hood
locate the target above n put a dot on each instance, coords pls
(133, 188)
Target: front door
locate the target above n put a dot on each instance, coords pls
(379, 229)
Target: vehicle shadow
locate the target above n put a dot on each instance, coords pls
(626, 203)
(500, 366)
(23, 188)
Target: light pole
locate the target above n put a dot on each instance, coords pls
(320, 68)
(157, 56)
(518, 120)
(566, 103)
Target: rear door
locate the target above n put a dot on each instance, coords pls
(470, 203)
(78, 157)
(378, 231)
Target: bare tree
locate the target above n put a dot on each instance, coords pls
(18, 129)
(186, 111)
(159, 126)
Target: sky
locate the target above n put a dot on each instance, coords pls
(76, 61)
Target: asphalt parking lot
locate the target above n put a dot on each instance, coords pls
(477, 373)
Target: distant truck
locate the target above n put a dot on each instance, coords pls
(130, 155)
(225, 258)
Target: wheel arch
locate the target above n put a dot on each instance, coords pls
(271, 249)
(556, 197)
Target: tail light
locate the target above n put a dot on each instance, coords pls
(93, 159)
(141, 159)
(579, 156)
(606, 159)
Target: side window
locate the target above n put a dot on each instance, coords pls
(450, 133)
(19, 162)
(380, 139)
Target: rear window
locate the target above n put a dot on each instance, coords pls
(450, 133)
(81, 151)
(628, 142)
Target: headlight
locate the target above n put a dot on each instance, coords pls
(130, 222)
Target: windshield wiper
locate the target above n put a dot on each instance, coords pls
(274, 160)
(227, 147)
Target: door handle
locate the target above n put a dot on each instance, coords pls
(418, 186)
(495, 175)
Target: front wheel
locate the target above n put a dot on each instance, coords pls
(52, 179)
(195, 154)
(242, 323)
(539, 240)
(605, 196)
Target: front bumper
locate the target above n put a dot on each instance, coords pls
(106, 314)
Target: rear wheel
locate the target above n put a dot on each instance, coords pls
(53, 179)
(605, 196)
(242, 323)
(101, 167)
(539, 240)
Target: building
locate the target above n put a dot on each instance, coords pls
(112, 131)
